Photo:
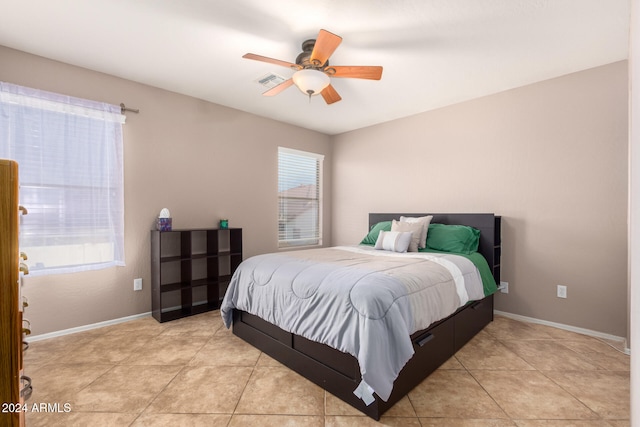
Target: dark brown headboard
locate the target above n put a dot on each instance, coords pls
(487, 223)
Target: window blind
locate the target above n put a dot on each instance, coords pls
(299, 201)
(70, 165)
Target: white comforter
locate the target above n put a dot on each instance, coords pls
(358, 300)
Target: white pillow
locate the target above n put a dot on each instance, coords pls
(396, 241)
(414, 228)
(425, 221)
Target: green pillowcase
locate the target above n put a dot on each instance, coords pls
(372, 237)
(441, 237)
(453, 238)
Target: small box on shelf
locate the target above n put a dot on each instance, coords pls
(163, 224)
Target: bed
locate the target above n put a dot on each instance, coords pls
(368, 367)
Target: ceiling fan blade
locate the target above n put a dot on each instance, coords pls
(330, 95)
(356, 72)
(326, 44)
(271, 60)
(277, 89)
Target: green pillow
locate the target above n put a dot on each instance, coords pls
(453, 238)
(372, 237)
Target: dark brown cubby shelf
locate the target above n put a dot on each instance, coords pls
(497, 248)
(191, 269)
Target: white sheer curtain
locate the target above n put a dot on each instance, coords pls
(69, 154)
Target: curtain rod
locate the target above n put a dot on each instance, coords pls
(123, 109)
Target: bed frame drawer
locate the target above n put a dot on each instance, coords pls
(471, 319)
(264, 327)
(432, 347)
(344, 363)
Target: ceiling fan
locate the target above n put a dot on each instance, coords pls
(313, 71)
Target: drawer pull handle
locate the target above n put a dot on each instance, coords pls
(22, 209)
(24, 268)
(425, 339)
(27, 389)
(477, 306)
(23, 256)
(25, 346)
(25, 302)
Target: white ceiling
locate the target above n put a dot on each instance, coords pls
(434, 52)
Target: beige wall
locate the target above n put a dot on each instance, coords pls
(551, 158)
(202, 161)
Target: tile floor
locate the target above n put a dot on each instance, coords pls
(194, 372)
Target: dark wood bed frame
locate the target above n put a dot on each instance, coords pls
(339, 373)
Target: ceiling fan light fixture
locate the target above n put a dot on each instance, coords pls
(312, 71)
(311, 82)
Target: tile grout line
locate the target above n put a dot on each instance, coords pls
(599, 417)
(509, 417)
(253, 370)
(542, 372)
(494, 335)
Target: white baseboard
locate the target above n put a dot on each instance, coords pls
(570, 328)
(583, 331)
(55, 334)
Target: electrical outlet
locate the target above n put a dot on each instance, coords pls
(137, 284)
(504, 287)
(562, 291)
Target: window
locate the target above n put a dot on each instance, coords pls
(299, 201)
(69, 154)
